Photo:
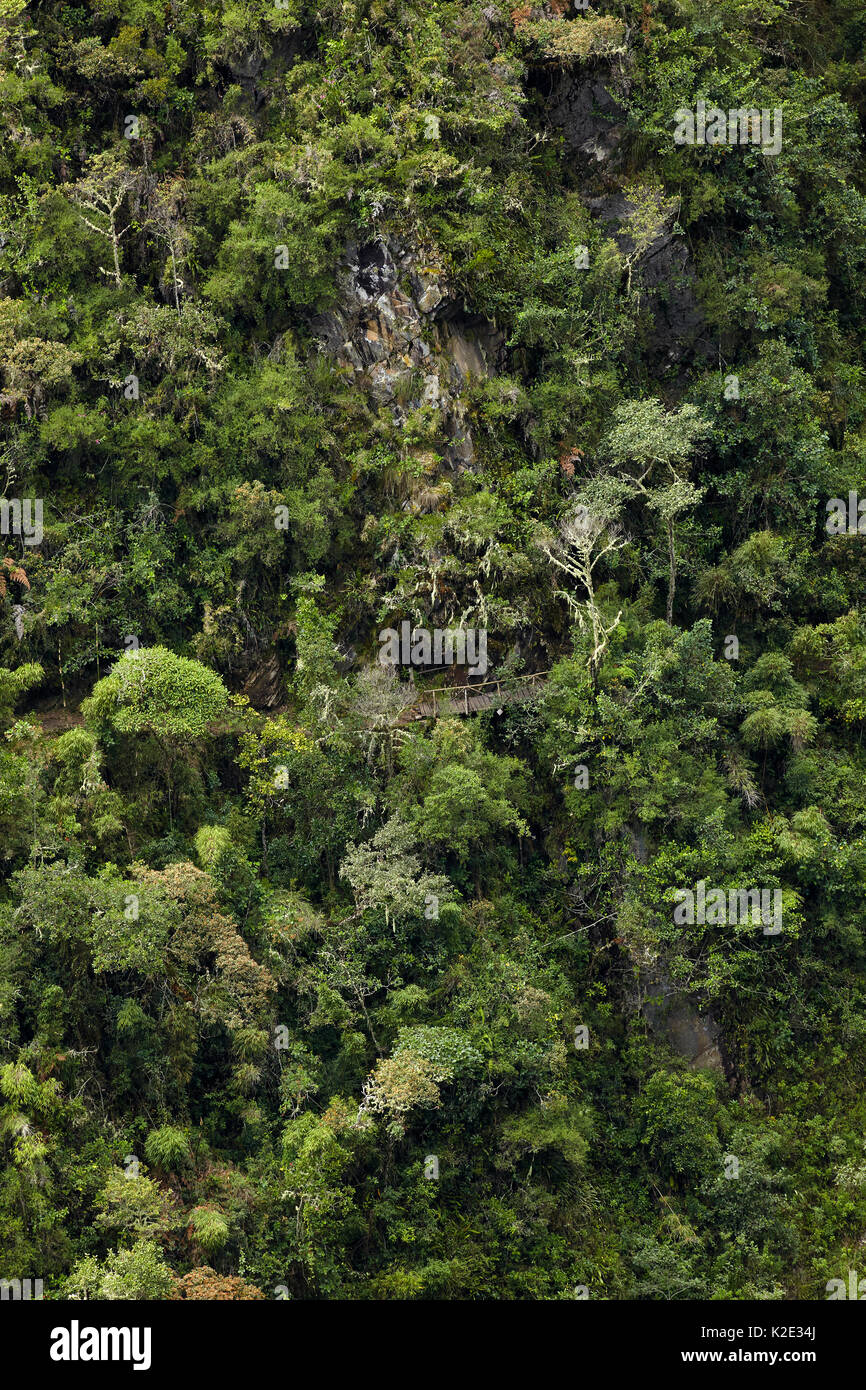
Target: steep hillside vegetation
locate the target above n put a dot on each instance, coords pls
(326, 325)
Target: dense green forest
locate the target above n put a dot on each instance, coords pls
(329, 323)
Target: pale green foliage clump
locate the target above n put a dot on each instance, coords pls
(556, 1124)
(135, 1204)
(27, 1108)
(14, 684)
(154, 691)
(77, 756)
(211, 843)
(578, 40)
(424, 1058)
(317, 1150)
(139, 1273)
(168, 1147)
(124, 926)
(209, 1228)
(448, 1050)
(644, 433)
(775, 705)
(170, 698)
(317, 656)
(18, 1084)
(387, 874)
(399, 1084)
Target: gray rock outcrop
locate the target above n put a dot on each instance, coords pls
(403, 330)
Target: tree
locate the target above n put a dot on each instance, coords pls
(134, 1202)
(649, 210)
(317, 656)
(458, 797)
(106, 184)
(387, 874)
(138, 1274)
(204, 1283)
(173, 700)
(677, 1117)
(167, 205)
(379, 701)
(589, 531)
(644, 440)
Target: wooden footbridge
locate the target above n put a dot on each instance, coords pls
(456, 701)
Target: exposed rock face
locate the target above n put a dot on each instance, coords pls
(246, 67)
(585, 105)
(589, 116)
(264, 686)
(668, 278)
(692, 1035)
(666, 1007)
(404, 331)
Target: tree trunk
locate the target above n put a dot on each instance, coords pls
(672, 576)
(115, 241)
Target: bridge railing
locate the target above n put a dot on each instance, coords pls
(461, 699)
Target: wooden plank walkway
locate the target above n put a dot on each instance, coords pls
(460, 700)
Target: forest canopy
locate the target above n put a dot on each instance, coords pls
(522, 959)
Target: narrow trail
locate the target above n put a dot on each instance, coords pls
(449, 702)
